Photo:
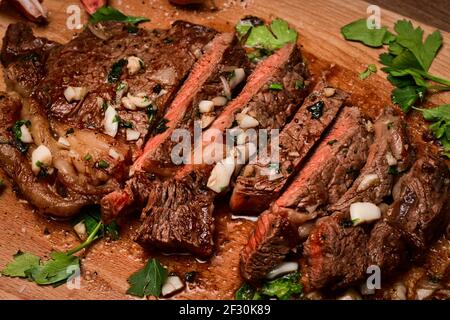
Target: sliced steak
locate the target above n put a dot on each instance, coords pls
(330, 171)
(268, 245)
(90, 159)
(224, 54)
(196, 204)
(253, 194)
(407, 229)
(322, 180)
(389, 155)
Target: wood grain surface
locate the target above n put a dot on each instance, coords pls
(107, 265)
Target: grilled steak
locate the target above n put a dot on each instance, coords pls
(89, 157)
(389, 155)
(186, 222)
(204, 84)
(253, 194)
(322, 180)
(406, 228)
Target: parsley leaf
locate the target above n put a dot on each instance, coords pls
(60, 267)
(112, 14)
(371, 68)
(440, 124)
(22, 262)
(358, 31)
(149, 280)
(406, 97)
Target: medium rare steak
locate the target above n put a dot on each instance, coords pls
(409, 226)
(75, 98)
(192, 213)
(254, 192)
(322, 180)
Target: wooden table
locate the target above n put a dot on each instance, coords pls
(107, 265)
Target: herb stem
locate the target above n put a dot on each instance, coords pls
(433, 78)
(92, 237)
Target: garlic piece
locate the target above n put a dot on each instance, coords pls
(126, 102)
(25, 135)
(206, 106)
(361, 212)
(141, 100)
(219, 101)
(245, 121)
(111, 122)
(41, 157)
(172, 285)
(75, 93)
(221, 174)
(282, 268)
(207, 119)
(80, 229)
(238, 77)
(64, 142)
(134, 64)
(114, 154)
(391, 159)
(368, 181)
(132, 134)
(329, 92)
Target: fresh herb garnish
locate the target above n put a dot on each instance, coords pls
(116, 118)
(69, 131)
(299, 84)
(331, 142)
(116, 70)
(126, 124)
(282, 288)
(92, 218)
(371, 68)
(87, 157)
(102, 164)
(112, 14)
(17, 134)
(407, 62)
(39, 164)
(161, 127)
(440, 124)
(262, 40)
(316, 109)
(276, 86)
(60, 267)
(393, 170)
(149, 280)
(151, 111)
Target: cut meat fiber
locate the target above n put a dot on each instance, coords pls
(178, 214)
(322, 180)
(260, 183)
(91, 103)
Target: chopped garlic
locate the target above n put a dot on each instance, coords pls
(172, 285)
(238, 77)
(141, 100)
(25, 135)
(126, 102)
(391, 159)
(134, 64)
(75, 93)
(329, 92)
(111, 122)
(132, 134)
(368, 181)
(361, 212)
(114, 154)
(245, 121)
(221, 174)
(219, 101)
(282, 268)
(80, 229)
(206, 106)
(207, 119)
(64, 142)
(40, 157)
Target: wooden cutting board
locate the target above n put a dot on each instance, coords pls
(107, 265)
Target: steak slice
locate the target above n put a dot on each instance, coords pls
(389, 155)
(410, 226)
(204, 83)
(323, 179)
(91, 162)
(285, 66)
(253, 194)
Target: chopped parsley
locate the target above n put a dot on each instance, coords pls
(393, 170)
(299, 84)
(161, 127)
(112, 14)
(17, 135)
(371, 68)
(87, 157)
(282, 288)
(276, 86)
(102, 164)
(116, 70)
(390, 125)
(69, 131)
(151, 112)
(116, 118)
(331, 142)
(316, 110)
